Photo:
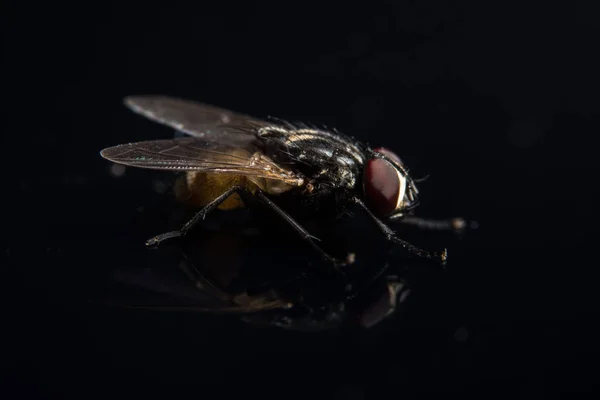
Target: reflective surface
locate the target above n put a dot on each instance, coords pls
(243, 263)
(498, 105)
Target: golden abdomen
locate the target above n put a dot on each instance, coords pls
(200, 188)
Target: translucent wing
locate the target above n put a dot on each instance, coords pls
(223, 154)
(195, 119)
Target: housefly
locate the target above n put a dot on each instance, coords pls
(231, 160)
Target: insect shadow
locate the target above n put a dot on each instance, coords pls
(234, 265)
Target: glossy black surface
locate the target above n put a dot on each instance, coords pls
(498, 105)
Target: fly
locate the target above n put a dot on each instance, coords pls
(230, 160)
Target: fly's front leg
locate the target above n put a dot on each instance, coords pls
(200, 215)
(391, 236)
(303, 232)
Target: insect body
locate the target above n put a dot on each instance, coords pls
(230, 158)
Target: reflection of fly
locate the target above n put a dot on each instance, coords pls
(228, 157)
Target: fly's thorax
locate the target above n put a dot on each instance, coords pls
(328, 166)
(325, 158)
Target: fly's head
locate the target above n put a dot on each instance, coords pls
(388, 189)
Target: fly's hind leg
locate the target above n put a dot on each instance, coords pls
(303, 232)
(200, 215)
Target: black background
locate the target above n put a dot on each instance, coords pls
(498, 102)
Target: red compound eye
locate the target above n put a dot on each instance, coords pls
(384, 185)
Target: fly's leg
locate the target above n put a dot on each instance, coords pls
(391, 236)
(302, 232)
(200, 215)
(454, 224)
